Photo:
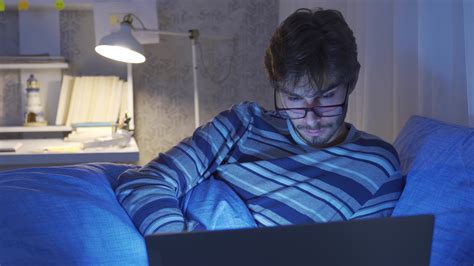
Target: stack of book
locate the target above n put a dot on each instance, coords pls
(90, 131)
(92, 105)
(91, 99)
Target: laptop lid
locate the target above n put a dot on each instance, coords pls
(385, 241)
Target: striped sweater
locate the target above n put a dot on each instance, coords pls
(280, 179)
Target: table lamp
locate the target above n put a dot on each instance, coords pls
(122, 46)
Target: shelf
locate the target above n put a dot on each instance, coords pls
(35, 129)
(54, 65)
(32, 153)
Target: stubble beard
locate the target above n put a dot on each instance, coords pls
(332, 132)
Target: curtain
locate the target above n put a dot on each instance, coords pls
(417, 58)
(469, 45)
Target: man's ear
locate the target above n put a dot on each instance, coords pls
(354, 81)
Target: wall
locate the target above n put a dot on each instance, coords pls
(9, 36)
(77, 44)
(230, 62)
(229, 71)
(10, 96)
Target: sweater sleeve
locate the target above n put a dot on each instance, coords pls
(150, 195)
(383, 201)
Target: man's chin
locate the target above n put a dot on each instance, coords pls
(316, 140)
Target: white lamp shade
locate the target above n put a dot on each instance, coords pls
(121, 46)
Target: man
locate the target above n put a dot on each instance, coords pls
(301, 163)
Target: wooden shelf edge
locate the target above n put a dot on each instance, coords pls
(22, 129)
(47, 65)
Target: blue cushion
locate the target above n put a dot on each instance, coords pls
(438, 159)
(66, 216)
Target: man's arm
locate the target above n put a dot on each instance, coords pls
(383, 201)
(151, 194)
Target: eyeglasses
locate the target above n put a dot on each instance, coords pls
(292, 105)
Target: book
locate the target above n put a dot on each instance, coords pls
(86, 114)
(92, 124)
(10, 146)
(89, 131)
(100, 98)
(75, 101)
(66, 148)
(116, 100)
(87, 136)
(64, 99)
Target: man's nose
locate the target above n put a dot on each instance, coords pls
(312, 118)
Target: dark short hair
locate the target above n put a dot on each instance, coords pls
(316, 45)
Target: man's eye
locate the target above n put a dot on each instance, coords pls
(294, 98)
(330, 95)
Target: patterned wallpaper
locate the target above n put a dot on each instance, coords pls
(230, 63)
(77, 45)
(9, 35)
(77, 42)
(10, 97)
(234, 35)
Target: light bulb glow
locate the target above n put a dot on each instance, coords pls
(119, 53)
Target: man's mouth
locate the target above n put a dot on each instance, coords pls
(314, 132)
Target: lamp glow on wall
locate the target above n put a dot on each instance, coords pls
(122, 46)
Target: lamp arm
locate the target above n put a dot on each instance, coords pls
(192, 34)
(164, 32)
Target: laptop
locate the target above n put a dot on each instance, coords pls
(385, 241)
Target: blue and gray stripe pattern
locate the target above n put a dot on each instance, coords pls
(282, 182)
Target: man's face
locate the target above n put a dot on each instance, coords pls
(322, 128)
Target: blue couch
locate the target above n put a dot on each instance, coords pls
(69, 215)
(438, 161)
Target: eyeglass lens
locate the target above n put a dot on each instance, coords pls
(296, 106)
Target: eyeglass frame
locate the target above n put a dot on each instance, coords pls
(307, 109)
